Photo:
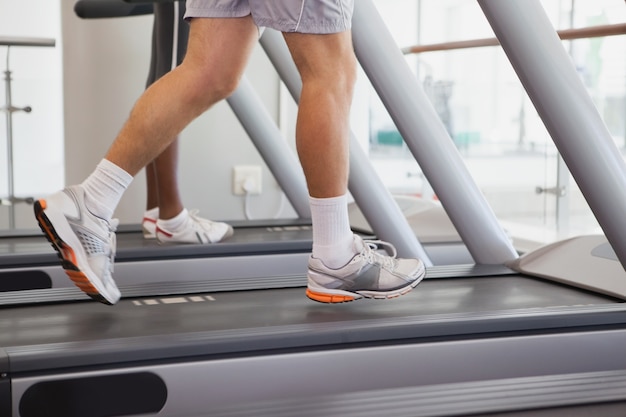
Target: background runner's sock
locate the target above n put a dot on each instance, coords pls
(332, 236)
(153, 213)
(104, 188)
(175, 223)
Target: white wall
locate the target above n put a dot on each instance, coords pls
(105, 65)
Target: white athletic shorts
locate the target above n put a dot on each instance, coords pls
(303, 16)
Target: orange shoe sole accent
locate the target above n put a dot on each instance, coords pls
(67, 255)
(336, 298)
(328, 298)
(81, 281)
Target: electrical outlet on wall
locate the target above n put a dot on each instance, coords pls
(247, 179)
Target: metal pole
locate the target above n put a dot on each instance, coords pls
(552, 83)
(372, 197)
(10, 109)
(427, 138)
(9, 121)
(268, 140)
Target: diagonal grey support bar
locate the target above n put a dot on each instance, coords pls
(427, 138)
(552, 83)
(267, 138)
(374, 200)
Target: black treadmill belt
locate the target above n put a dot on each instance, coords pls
(213, 350)
(287, 319)
(262, 308)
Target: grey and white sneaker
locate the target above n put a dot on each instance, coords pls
(368, 275)
(85, 242)
(195, 230)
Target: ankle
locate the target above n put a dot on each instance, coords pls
(336, 255)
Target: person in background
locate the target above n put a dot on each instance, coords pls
(166, 218)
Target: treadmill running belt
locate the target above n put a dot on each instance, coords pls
(215, 349)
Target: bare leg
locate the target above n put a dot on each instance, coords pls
(152, 187)
(328, 70)
(339, 267)
(162, 183)
(216, 57)
(170, 34)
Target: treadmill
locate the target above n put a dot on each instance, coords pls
(473, 339)
(540, 343)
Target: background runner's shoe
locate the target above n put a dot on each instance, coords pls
(85, 243)
(195, 230)
(148, 226)
(368, 275)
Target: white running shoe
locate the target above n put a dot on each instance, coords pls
(195, 230)
(368, 275)
(85, 242)
(148, 226)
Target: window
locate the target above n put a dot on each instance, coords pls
(487, 113)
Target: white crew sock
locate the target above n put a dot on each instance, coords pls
(175, 223)
(332, 236)
(104, 188)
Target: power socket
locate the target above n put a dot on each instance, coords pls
(247, 179)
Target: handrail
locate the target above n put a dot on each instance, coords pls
(565, 34)
(19, 41)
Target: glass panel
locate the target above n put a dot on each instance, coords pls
(489, 116)
(601, 63)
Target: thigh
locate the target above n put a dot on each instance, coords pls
(220, 46)
(303, 16)
(328, 57)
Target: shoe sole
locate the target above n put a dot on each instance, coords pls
(67, 255)
(342, 296)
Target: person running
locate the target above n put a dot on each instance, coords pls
(223, 33)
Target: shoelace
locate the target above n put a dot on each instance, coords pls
(371, 256)
(193, 215)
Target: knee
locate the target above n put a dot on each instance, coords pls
(338, 78)
(349, 74)
(210, 86)
(339, 88)
(221, 84)
(345, 77)
(214, 88)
